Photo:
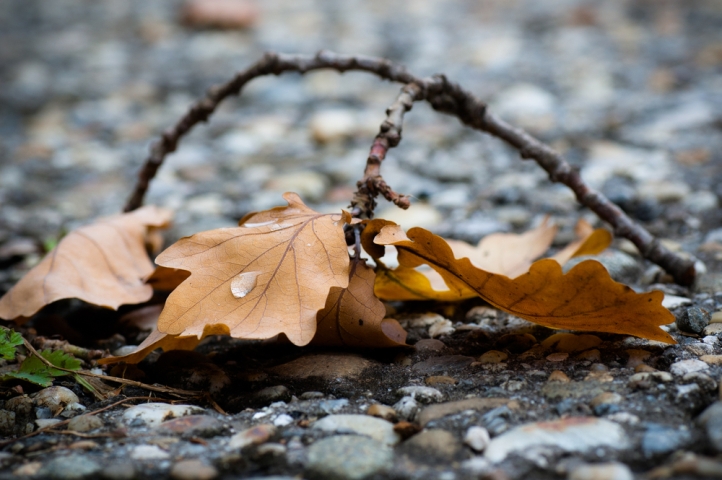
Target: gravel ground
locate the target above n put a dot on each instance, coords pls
(629, 91)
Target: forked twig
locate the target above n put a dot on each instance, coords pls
(372, 184)
(444, 96)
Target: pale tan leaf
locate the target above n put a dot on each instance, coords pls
(508, 254)
(296, 256)
(103, 263)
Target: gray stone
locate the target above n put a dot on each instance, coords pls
(422, 394)
(433, 446)
(376, 428)
(601, 471)
(435, 412)
(7, 423)
(684, 367)
(621, 267)
(252, 436)
(573, 434)
(119, 471)
(55, 398)
(693, 320)
(193, 470)
(407, 408)
(204, 426)
(277, 393)
(348, 457)
(711, 421)
(70, 467)
(662, 439)
(148, 452)
(153, 414)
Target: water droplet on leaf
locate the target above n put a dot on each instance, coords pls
(243, 283)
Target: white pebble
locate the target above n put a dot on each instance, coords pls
(477, 438)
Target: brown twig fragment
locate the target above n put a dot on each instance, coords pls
(444, 96)
(372, 184)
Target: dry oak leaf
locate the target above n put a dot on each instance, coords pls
(503, 253)
(354, 317)
(104, 263)
(585, 298)
(270, 275)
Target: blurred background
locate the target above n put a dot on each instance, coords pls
(629, 90)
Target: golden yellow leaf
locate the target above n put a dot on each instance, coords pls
(505, 253)
(103, 263)
(270, 275)
(354, 317)
(586, 298)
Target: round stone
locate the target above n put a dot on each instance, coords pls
(348, 457)
(693, 320)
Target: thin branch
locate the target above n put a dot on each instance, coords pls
(444, 96)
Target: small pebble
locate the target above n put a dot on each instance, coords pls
(70, 467)
(602, 471)
(153, 414)
(477, 438)
(406, 408)
(55, 398)
(429, 345)
(382, 411)
(693, 320)
(376, 428)
(558, 376)
(148, 452)
(350, 457)
(84, 423)
(557, 357)
(684, 367)
(193, 470)
(592, 355)
(637, 357)
(422, 394)
(493, 357)
(711, 359)
(251, 436)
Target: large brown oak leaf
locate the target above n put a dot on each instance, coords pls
(270, 275)
(104, 263)
(585, 298)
